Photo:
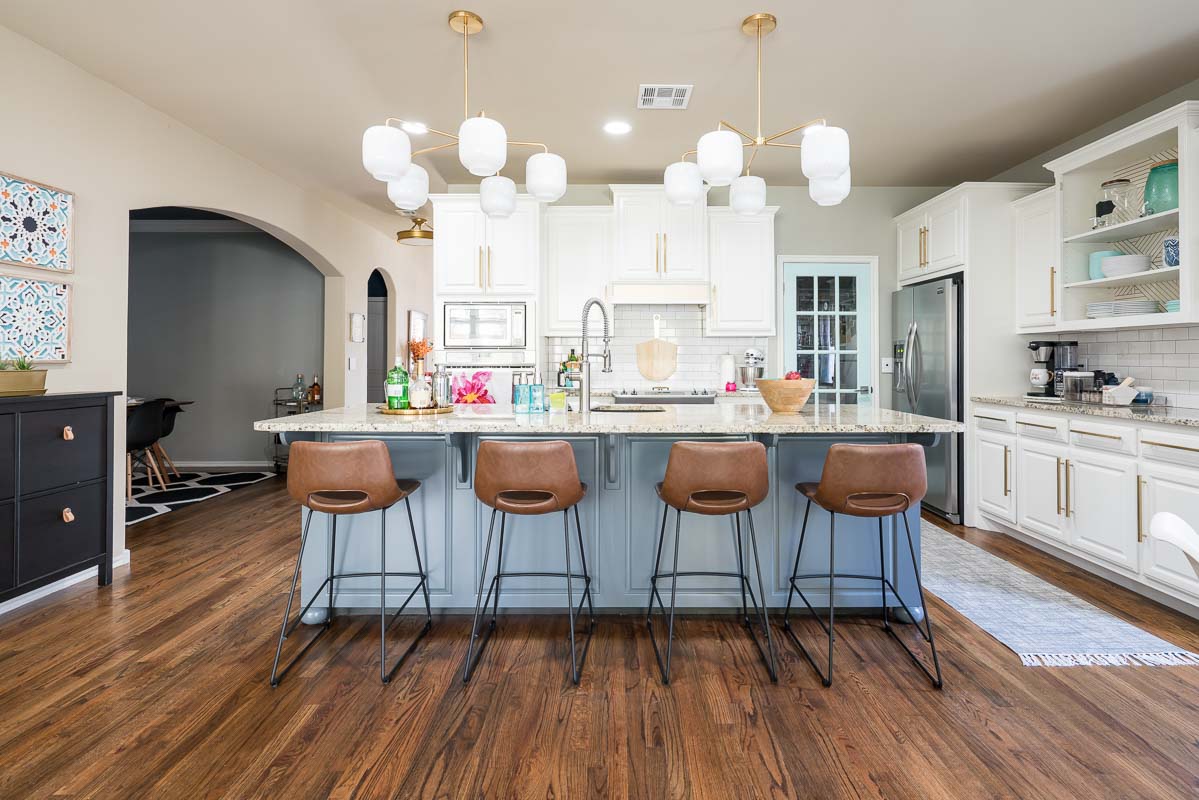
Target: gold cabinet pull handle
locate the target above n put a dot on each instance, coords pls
(657, 253)
(1067, 487)
(1140, 505)
(1171, 446)
(1052, 303)
(1057, 473)
(488, 266)
(68, 515)
(482, 284)
(665, 255)
(1099, 435)
(1007, 488)
(1036, 425)
(992, 419)
(68, 434)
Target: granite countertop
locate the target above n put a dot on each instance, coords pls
(727, 418)
(1162, 415)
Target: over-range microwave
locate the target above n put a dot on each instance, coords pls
(489, 326)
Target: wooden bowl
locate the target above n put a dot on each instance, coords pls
(786, 397)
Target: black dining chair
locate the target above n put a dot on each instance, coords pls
(169, 412)
(143, 427)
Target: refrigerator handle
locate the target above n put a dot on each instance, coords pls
(916, 370)
(901, 369)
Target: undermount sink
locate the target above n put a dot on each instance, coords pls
(627, 408)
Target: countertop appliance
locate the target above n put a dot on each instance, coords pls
(753, 366)
(926, 322)
(484, 326)
(664, 395)
(1041, 375)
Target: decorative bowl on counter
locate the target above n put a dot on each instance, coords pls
(786, 396)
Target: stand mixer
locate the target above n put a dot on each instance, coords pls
(753, 366)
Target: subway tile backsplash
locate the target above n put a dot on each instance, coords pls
(1165, 359)
(698, 366)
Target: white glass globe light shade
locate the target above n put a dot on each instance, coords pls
(497, 196)
(719, 157)
(825, 152)
(411, 191)
(683, 183)
(545, 177)
(830, 192)
(482, 146)
(747, 195)
(386, 152)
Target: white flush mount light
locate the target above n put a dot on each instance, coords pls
(748, 195)
(386, 152)
(482, 145)
(824, 157)
(411, 191)
(497, 196)
(545, 177)
(617, 127)
(830, 191)
(718, 155)
(683, 183)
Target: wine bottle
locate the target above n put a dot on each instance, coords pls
(396, 386)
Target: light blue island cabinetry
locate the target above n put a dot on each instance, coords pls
(620, 456)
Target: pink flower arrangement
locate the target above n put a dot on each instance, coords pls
(472, 390)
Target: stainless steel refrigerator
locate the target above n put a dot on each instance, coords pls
(926, 327)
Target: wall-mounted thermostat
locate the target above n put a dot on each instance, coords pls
(358, 328)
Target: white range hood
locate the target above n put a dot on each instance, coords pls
(694, 293)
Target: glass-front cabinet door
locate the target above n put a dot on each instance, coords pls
(827, 326)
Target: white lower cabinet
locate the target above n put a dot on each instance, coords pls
(1177, 491)
(1040, 488)
(994, 457)
(1102, 503)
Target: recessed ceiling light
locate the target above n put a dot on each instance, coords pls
(617, 127)
(415, 127)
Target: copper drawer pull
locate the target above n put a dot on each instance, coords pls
(68, 434)
(1171, 446)
(68, 515)
(1067, 471)
(1052, 280)
(1037, 425)
(993, 419)
(1140, 505)
(1100, 435)
(1007, 488)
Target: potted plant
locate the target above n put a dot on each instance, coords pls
(18, 378)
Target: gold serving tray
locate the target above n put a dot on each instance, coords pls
(415, 412)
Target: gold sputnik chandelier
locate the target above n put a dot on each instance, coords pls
(720, 154)
(482, 144)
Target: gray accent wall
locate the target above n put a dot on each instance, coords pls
(221, 319)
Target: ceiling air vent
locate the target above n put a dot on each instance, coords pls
(664, 96)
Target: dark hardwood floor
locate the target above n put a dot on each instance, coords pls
(157, 687)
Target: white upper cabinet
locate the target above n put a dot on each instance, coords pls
(742, 263)
(475, 255)
(654, 240)
(909, 233)
(577, 254)
(1034, 258)
(945, 234)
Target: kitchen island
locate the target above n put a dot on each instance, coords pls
(620, 456)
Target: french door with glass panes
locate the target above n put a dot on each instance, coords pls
(827, 328)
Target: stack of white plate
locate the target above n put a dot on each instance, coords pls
(1115, 266)
(1122, 308)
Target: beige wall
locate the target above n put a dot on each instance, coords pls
(71, 130)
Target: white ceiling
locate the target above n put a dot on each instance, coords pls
(932, 92)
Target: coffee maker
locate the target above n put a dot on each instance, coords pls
(1050, 360)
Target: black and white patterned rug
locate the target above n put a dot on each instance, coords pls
(149, 501)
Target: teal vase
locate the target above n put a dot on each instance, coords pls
(1161, 188)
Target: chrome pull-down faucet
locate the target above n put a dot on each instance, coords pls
(585, 360)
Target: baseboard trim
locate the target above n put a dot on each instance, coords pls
(121, 559)
(202, 466)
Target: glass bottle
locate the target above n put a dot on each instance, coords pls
(298, 389)
(537, 394)
(315, 389)
(396, 386)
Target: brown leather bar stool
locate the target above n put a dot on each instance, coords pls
(865, 480)
(713, 479)
(350, 478)
(529, 478)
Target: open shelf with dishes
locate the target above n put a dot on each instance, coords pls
(1125, 208)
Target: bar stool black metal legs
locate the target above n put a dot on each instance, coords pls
(713, 479)
(327, 465)
(864, 481)
(529, 478)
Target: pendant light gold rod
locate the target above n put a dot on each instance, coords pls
(424, 150)
(759, 136)
(544, 149)
(467, 23)
(808, 124)
(734, 129)
(390, 120)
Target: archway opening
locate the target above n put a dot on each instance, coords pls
(377, 339)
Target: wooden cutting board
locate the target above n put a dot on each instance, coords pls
(657, 359)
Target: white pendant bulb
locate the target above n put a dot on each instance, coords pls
(386, 152)
(545, 177)
(719, 157)
(497, 196)
(482, 146)
(830, 191)
(748, 195)
(825, 152)
(411, 191)
(683, 183)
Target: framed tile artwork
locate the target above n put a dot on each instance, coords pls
(35, 319)
(36, 225)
